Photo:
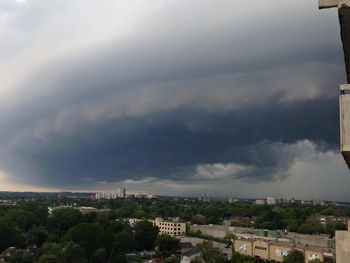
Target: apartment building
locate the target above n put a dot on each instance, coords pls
(173, 228)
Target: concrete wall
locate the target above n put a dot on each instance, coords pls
(171, 228)
(278, 252)
(311, 255)
(342, 243)
(261, 249)
(217, 231)
(243, 247)
(197, 241)
(344, 102)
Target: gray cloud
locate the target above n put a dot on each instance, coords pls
(118, 90)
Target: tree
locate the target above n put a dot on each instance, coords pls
(99, 256)
(120, 258)
(331, 227)
(48, 259)
(68, 252)
(90, 237)
(145, 235)
(294, 256)
(20, 257)
(22, 218)
(37, 235)
(172, 259)
(208, 251)
(199, 219)
(72, 253)
(65, 218)
(10, 236)
(124, 242)
(167, 243)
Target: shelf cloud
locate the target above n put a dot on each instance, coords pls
(190, 94)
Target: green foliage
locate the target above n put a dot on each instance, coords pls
(10, 235)
(145, 235)
(99, 256)
(172, 259)
(209, 252)
(124, 242)
(37, 235)
(294, 256)
(20, 257)
(167, 243)
(68, 252)
(90, 237)
(48, 259)
(98, 237)
(22, 218)
(63, 219)
(333, 226)
(117, 258)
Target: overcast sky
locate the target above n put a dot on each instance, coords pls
(171, 97)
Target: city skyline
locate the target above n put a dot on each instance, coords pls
(160, 99)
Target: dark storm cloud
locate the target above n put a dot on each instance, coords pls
(170, 145)
(223, 91)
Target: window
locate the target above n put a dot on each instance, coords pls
(261, 248)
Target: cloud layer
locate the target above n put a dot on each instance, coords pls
(130, 92)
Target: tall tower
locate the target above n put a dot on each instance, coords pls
(122, 193)
(344, 98)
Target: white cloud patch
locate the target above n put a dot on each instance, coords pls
(219, 171)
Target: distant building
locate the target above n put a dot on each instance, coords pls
(271, 201)
(260, 202)
(170, 227)
(82, 209)
(122, 193)
(205, 198)
(139, 195)
(105, 195)
(231, 200)
(132, 221)
(324, 220)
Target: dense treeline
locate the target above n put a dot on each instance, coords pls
(292, 217)
(70, 236)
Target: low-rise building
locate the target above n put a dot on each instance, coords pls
(279, 250)
(270, 250)
(261, 249)
(324, 220)
(170, 227)
(312, 254)
(82, 209)
(132, 221)
(244, 246)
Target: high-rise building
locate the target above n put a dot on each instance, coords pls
(122, 193)
(205, 198)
